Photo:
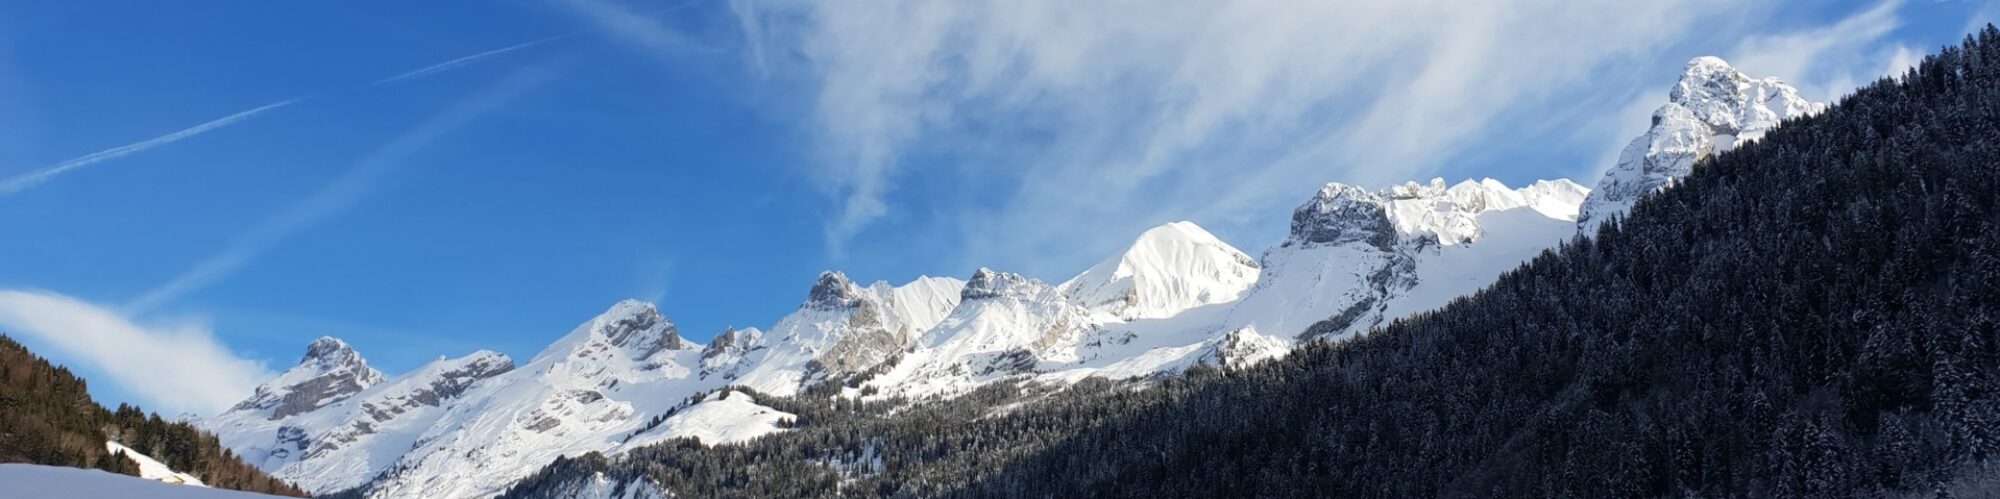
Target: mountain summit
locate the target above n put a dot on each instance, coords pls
(1170, 268)
(330, 371)
(1713, 108)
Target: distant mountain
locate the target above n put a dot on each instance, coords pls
(1176, 297)
(48, 418)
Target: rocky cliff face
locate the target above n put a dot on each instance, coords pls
(329, 372)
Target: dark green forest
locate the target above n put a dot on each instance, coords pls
(1810, 315)
(47, 417)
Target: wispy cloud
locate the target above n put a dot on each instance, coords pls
(641, 28)
(340, 193)
(43, 174)
(1099, 111)
(1827, 62)
(462, 61)
(170, 368)
(33, 178)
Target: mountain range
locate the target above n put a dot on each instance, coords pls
(1355, 259)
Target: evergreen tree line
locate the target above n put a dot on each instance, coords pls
(47, 417)
(1810, 315)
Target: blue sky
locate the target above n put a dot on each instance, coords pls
(713, 156)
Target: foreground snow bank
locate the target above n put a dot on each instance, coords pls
(51, 482)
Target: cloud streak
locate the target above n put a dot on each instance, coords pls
(30, 179)
(339, 194)
(1095, 112)
(1827, 62)
(171, 369)
(27, 180)
(462, 61)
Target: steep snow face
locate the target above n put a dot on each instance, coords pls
(1169, 269)
(841, 331)
(1356, 259)
(1713, 108)
(153, 469)
(341, 444)
(330, 371)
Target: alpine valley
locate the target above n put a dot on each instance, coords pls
(625, 384)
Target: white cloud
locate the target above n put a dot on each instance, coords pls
(338, 194)
(1106, 115)
(1827, 62)
(43, 174)
(171, 368)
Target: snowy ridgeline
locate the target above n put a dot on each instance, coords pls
(27, 481)
(1177, 296)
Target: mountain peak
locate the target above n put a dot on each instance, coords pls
(329, 349)
(635, 323)
(1168, 269)
(833, 290)
(989, 283)
(1712, 108)
(1342, 213)
(330, 370)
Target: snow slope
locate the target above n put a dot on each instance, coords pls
(1170, 268)
(720, 418)
(1713, 108)
(1356, 259)
(153, 469)
(27, 481)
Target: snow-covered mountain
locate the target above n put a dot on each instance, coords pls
(1353, 259)
(470, 426)
(1170, 268)
(1356, 259)
(1713, 108)
(343, 441)
(841, 331)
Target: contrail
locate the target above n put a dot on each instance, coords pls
(341, 192)
(454, 63)
(29, 179)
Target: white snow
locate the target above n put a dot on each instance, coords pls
(602, 487)
(152, 469)
(31, 481)
(730, 419)
(1713, 108)
(1170, 268)
(1174, 297)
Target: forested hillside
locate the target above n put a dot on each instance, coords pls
(47, 417)
(1811, 315)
